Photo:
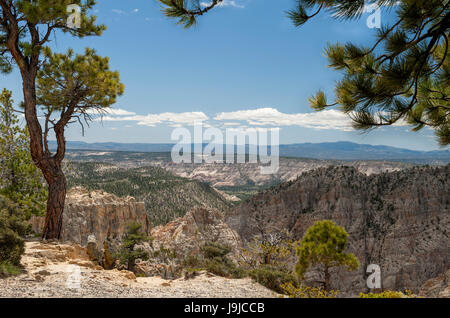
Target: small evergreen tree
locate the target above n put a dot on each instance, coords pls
(20, 180)
(324, 244)
(12, 228)
(128, 253)
(26, 28)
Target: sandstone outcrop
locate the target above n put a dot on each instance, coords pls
(399, 220)
(97, 216)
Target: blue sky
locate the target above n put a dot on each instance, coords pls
(244, 64)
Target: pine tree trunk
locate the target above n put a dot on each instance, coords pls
(55, 206)
(50, 166)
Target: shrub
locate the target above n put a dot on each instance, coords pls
(224, 268)
(307, 292)
(274, 249)
(214, 250)
(273, 278)
(389, 294)
(7, 269)
(191, 262)
(214, 258)
(128, 253)
(12, 227)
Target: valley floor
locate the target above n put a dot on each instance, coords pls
(52, 271)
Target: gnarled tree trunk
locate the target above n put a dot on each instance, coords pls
(55, 203)
(51, 166)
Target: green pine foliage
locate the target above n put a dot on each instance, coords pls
(324, 245)
(20, 180)
(187, 11)
(274, 278)
(69, 87)
(46, 15)
(83, 82)
(12, 229)
(129, 251)
(403, 77)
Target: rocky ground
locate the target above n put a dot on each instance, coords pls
(60, 270)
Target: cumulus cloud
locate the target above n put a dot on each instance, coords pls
(328, 119)
(255, 118)
(172, 119)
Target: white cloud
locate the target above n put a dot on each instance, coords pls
(328, 119)
(224, 3)
(119, 112)
(112, 112)
(231, 124)
(256, 118)
(172, 119)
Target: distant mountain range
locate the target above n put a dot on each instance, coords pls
(329, 150)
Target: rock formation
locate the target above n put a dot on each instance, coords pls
(398, 220)
(438, 287)
(187, 234)
(97, 216)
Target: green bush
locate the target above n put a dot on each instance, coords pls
(12, 227)
(128, 251)
(307, 292)
(214, 250)
(389, 294)
(7, 269)
(192, 261)
(273, 278)
(224, 268)
(214, 258)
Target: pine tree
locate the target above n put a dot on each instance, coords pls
(128, 253)
(187, 11)
(70, 88)
(12, 229)
(20, 180)
(403, 77)
(25, 28)
(324, 244)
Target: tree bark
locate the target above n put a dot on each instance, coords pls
(55, 205)
(50, 166)
(57, 186)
